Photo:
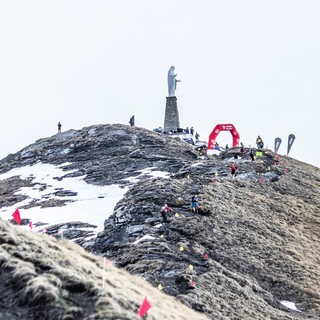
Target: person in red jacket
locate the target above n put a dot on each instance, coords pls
(233, 170)
(164, 210)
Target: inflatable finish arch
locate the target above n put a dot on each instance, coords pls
(223, 127)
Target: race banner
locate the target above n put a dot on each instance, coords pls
(291, 139)
(277, 143)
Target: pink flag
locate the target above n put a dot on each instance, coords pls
(30, 225)
(205, 256)
(16, 216)
(145, 306)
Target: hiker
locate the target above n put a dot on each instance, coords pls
(216, 146)
(164, 210)
(131, 121)
(187, 130)
(226, 147)
(259, 143)
(233, 170)
(242, 150)
(194, 203)
(197, 136)
(252, 154)
(192, 131)
(59, 127)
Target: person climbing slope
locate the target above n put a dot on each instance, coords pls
(164, 211)
(194, 203)
(233, 170)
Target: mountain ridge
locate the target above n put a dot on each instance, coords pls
(260, 230)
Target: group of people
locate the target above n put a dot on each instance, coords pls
(194, 207)
(191, 131)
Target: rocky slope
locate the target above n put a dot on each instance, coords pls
(253, 244)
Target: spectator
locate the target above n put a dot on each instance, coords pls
(131, 121)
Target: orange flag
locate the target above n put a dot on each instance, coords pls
(16, 216)
(145, 306)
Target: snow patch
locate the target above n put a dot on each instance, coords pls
(290, 305)
(148, 172)
(146, 237)
(92, 204)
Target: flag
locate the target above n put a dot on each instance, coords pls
(206, 256)
(277, 143)
(30, 225)
(16, 216)
(291, 139)
(160, 287)
(190, 266)
(145, 306)
(177, 215)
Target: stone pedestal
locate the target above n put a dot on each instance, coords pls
(171, 118)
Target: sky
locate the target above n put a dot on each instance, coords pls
(254, 64)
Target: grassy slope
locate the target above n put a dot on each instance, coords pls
(42, 278)
(263, 240)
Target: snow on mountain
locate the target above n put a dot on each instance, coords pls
(91, 204)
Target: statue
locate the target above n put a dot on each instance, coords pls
(172, 82)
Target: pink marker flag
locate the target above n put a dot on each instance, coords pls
(206, 256)
(30, 225)
(192, 284)
(145, 306)
(16, 216)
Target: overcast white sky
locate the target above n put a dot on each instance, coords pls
(255, 64)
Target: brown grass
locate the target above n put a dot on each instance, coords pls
(44, 278)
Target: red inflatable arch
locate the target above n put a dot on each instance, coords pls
(223, 127)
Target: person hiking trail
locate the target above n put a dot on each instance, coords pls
(259, 143)
(233, 170)
(59, 127)
(164, 210)
(194, 203)
(197, 136)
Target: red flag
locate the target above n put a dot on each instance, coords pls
(206, 256)
(145, 306)
(30, 225)
(16, 216)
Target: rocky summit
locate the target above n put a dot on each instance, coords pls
(250, 251)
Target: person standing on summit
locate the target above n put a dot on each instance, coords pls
(259, 143)
(132, 121)
(59, 127)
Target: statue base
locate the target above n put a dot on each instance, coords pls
(171, 118)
